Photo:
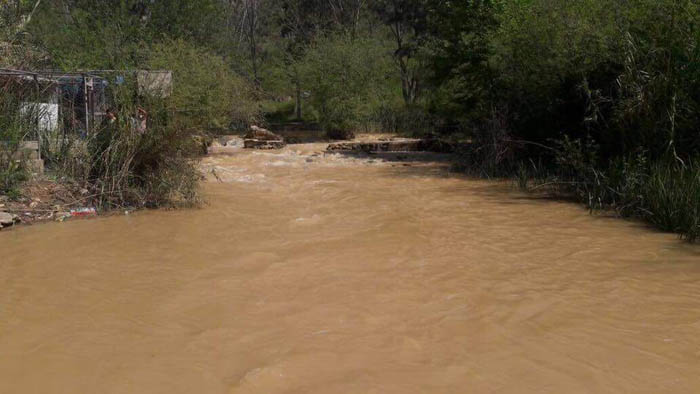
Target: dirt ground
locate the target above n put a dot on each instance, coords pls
(42, 199)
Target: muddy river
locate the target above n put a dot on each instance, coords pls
(328, 274)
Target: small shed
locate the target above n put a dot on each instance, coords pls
(76, 101)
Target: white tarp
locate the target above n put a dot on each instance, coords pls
(45, 114)
(155, 83)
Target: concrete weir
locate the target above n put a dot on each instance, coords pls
(263, 144)
(28, 151)
(393, 145)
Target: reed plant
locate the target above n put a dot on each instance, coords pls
(13, 128)
(664, 192)
(669, 198)
(128, 161)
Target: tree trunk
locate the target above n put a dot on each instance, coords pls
(297, 108)
(254, 60)
(252, 22)
(409, 84)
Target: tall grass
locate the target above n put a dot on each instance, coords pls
(664, 192)
(667, 195)
(13, 128)
(402, 119)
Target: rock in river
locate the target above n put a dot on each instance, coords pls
(258, 133)
(7, 219)
(259, 138)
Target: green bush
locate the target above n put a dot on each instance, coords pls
(348, 79)
(207, 95)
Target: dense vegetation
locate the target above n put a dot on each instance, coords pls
(594, 99)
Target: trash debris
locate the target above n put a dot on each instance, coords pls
(83, 212)
(62, 216)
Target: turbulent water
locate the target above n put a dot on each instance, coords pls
(327, 274)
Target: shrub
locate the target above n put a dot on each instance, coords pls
(348, 80)
(207, 95)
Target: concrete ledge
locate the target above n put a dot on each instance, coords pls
(36, 166)
(397, 145)
(263, 144)
(26, 155)
(29, 145)
(29, 150)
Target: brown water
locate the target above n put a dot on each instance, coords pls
(334, 275)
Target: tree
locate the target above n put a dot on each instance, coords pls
(297, 29)
(347, 14)
(249, 22)
(348, 79)
(107, 34)
(206, 91)
(15, 50)
(460, 38)
(407, 20)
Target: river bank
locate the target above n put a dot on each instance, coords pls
(40, 200)
(44, 199)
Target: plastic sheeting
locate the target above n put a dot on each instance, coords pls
(46, 115)
(155, 83)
